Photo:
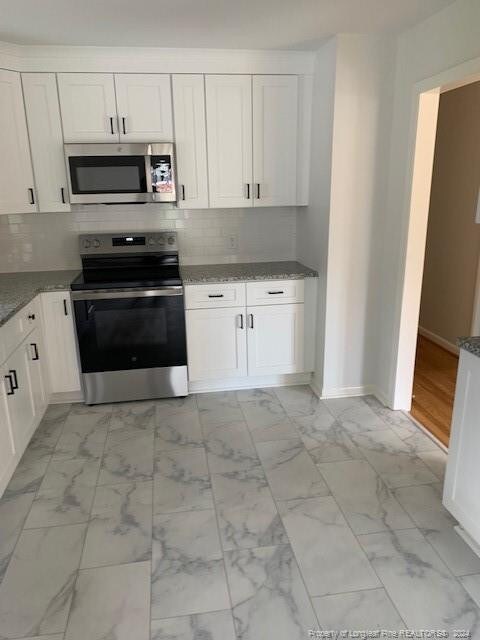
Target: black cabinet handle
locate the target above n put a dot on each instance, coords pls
(62, 194)
(111, 125)
(65, 308)
(31, 316)
(11, 391)
(31, 193)
(275, 293)
(258, 190)
(124, 125)
(241, 321)
(247, 189)
(251, 320)
(183, 191)
(14, 378)
(215, 295)
(35, 350)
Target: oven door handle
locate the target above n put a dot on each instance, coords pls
(105, 295)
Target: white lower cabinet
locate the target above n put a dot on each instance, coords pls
(20, 396)
(59, 336)
(462, 478)
(264, 339)
(7, 445)
(35, 353)
(275, 339)
(216, 343)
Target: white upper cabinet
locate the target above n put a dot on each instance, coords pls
(17, 193)
(144, 105)
(229, 138)
(46, 140)
(89, 111)
(275, 100)
(190, 140)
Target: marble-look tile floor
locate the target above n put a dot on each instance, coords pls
(244, 515)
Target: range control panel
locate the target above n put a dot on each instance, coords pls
(135, 242)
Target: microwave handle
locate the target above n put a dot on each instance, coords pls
(148, 171)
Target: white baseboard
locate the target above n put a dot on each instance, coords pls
(233, 384)
(65, 398)
(346, 392)
(448, 346)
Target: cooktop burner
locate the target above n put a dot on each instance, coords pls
(126, 261)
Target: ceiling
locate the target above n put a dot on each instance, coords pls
(231, 24)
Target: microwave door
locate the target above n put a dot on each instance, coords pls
(108, 179)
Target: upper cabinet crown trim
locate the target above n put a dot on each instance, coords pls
(151, 59)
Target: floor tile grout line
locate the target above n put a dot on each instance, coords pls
(227, 581)
(87, 524)
(363, 552)
(289, 539)
(22, 528)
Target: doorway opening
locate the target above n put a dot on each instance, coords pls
(422, 152)
(448, 297)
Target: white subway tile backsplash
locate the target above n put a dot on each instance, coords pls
(38, 242)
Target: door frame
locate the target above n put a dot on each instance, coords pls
(426, 99)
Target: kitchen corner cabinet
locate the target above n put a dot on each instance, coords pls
(252, 127)
(103, 107)
(275, 101)
(17, 189)
(46, 141)
(190, 140)
(59, 339)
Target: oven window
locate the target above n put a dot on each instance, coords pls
(107, 174)
(130, 333)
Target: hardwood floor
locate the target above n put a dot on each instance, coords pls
(434, 388)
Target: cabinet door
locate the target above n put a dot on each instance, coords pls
(21, 405)
(144, 105)
(7, 445)
(46, 140)
(16, 176)
(229, 140)
(59, 340)
(190, 140)
(275, 339)
(87, 104)
(275, 125)
(216, 343)
(35, 354)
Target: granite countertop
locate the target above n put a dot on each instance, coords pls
(18, 289)
(471, 344)
(241, 272)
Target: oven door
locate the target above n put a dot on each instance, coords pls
(125, 330)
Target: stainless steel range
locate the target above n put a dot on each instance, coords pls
(129, 317)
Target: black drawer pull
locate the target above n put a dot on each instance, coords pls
(31, 316)
(251, 320)
(241, 321)
(215, 295)
(14, 377)
(11, 391)
(35, 351)
(65, 309)
(275, 293)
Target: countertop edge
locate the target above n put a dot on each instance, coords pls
(470, 344)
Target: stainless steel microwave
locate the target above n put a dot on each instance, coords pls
(109, 173)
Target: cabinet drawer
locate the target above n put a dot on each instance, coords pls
(275, 292)
(209, 296)
(17, 328)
